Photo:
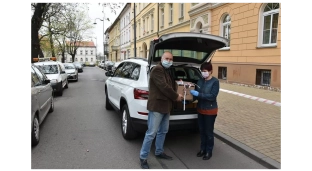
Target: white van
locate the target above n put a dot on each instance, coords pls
(55, 71)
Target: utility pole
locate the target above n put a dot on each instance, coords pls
(134, 33)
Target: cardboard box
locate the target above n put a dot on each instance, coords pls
(180, 89)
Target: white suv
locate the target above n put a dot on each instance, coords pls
(127, 88)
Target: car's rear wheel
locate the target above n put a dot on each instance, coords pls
(35, 134)
(108, 106)
(126, 128)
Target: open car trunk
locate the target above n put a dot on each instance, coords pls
(186, 74)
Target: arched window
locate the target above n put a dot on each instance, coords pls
(268, 24)
(199, 27)
(226, 27)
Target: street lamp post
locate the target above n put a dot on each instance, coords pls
(103, 33)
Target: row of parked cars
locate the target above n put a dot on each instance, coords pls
(47, 79)
(108, 65)
(127, 90)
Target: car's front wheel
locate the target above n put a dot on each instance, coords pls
(128, 132)
(35, 134)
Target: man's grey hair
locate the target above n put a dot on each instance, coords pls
(164, 54)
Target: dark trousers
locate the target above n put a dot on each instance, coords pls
(206, 126)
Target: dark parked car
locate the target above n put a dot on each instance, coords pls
(78, 66)
(108, 65)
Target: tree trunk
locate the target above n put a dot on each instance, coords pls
(63, 57)
(36, 22)
(73, 57)
(51, 40)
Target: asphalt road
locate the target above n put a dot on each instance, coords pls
(82, 134)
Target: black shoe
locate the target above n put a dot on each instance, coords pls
(207, 156)
(164, 156)
(201, 153)
(144, 164)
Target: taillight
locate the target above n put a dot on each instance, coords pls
(140, 94)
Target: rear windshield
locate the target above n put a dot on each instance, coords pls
(69, 66)
(49, 69)
(182, 53)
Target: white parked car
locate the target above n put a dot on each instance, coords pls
(71, 71)
(127, 88)
(55, 71)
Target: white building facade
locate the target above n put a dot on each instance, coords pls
(86, 53)
(125, 32)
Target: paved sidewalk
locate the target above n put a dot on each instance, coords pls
(251, 126)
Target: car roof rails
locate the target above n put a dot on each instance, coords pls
(144, 59)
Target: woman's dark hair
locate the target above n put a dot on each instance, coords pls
(207, 66)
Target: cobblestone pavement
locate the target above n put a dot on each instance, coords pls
(253, 123)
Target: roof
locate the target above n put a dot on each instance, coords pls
(84, 44)
(118, 18)
(138, 61)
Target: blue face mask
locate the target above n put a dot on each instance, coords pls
(166, 63)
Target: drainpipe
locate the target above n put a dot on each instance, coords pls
(134, 32)
(158, 19)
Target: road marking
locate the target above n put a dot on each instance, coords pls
(252, 97)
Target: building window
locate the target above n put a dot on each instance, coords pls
(139, 29)
(86, 59)
(70, 59)
(170, 12)
(91, 59)
(263, 77)
(91, 52)
(199, 27)
(81, 59)
(181, 14)
(80, 52)
(162, 17)
(269, 24)
(143, 27)
(86, 52)
(152, 22)
(76, 59)
(226, 28)
(222, 73)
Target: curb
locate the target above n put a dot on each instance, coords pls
(253, 154)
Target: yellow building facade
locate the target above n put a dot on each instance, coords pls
(152, 18)
(253, 56)
(254, 29)
(114, 41)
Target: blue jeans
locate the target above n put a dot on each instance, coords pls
(206, 126)
(158, 125)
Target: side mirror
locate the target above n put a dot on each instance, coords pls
(47, 81)
(108, 74)
(63, 72)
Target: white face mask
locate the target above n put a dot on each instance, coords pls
(205, 74)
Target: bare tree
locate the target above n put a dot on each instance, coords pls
(79, 26)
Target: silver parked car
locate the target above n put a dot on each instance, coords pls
(42, 101)
(71, 71)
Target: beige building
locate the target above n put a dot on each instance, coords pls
(173, 17)
(114, 41)
(254, 32)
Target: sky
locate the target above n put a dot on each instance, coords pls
(95, 11)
